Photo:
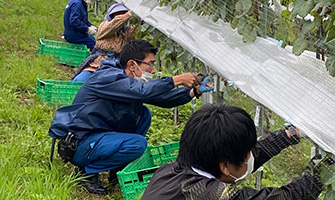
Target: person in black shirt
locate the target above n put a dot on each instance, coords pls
(218, 148)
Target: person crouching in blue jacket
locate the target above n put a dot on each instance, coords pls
(108, 118)
(77, 28)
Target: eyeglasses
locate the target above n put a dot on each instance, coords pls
(141, 61)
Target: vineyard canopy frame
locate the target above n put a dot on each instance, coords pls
(297, 88)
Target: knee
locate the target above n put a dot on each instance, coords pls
(142, 145)
(136, 146)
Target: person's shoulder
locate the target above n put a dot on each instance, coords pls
(111, 62)
(110, 68)
(75, 2)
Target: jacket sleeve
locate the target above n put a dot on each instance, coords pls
(270, 145)
(108, 28)
(307, 187)
(75, 18)
(173, 98)
(126, 88)
(89, 23)
(131, 32)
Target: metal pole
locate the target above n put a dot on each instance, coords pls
(217, 95)
(176, 114)
(259, 115)
(175, 121)
(316, 149)
(206, 97)
(265, 17)
(193, 101)
(159, 64)
(260, 107)
(96, 8)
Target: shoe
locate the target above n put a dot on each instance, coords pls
(91, 182)
(112, 177)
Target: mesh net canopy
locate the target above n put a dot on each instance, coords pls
(297, 88)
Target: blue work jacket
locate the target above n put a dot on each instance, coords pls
(76, 20)
(112, 101)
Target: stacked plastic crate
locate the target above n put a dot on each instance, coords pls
(56, 92)
(135, 177)
(65, 53)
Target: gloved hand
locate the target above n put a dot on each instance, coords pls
(206, 85)
(96, 29)
(92, 30)
(293, 134)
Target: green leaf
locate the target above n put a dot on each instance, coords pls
(291, 34)
(327, 174)
(331, 45)
(330, 65)
(299, 46)
(239, 6)
(320, 42)
(246, 5)
(302, 7)
(323, 4)
(243, 6)
(223, 10)
(249, 36)
(285, 2)
(230, 9)
(234, 23)
(216, 16)
(308, 27)
(330, 194)
(286, 13)
(188, 4)
(328, 24)
(241, 25)
(331, 33)
(281, 33)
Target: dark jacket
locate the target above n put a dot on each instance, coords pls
(178, 182)
(112, 101)
(76, 20)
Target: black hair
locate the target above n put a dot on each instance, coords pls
(217, 133)
(136, 49)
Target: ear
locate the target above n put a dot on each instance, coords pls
(131, 64)
(224, 168)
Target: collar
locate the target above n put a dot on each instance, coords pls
(202, 173)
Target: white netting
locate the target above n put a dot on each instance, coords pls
(298, 88)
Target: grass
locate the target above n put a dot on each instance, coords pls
(24, 121)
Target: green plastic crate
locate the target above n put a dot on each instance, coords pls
(65, 53)
(135, 177)
(55, 92)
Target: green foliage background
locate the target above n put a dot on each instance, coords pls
(285, 22)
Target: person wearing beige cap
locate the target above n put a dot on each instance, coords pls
(113, 33)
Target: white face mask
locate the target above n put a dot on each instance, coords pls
(145, 77)
(250, 165)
